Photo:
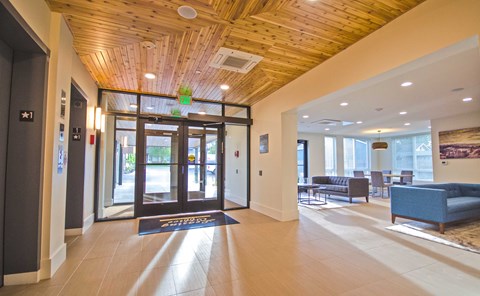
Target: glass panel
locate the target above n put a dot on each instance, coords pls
(236, 174)
(233, 111)
(116, 174)
(119, 102)
(161, 171)
(202, 163)
(301, 161)
(414, 153)
(160, 184)
(356, 155)
(330, 157)
(170, 107)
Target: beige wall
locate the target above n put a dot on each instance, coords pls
(456, 170)
(429, 27)
(64, 67)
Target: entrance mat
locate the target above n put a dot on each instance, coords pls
(464, 236)
(174, 223)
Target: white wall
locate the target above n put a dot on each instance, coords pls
(316, 153)
(457, 170)
(431, 26)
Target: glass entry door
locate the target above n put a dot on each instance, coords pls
(178, 168)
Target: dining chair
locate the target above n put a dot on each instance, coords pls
(358, 174)
(406, 180)
(387, 179)
(378, 182)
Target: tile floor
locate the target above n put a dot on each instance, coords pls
(343, 251)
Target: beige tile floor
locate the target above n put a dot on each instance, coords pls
(343, 251)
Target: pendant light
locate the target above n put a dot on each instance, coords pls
(379, 145)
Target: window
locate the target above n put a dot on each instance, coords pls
(413, 153)
(302, 159)
(356, 154)
(330, 156)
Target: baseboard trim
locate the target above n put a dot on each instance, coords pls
(73, 231)
(21, 278)
(49, 266)
(88, 222)
(274, 213)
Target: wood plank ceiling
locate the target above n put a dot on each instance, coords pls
(293, 36)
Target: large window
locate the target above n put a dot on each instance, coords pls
(356, 153)
(330, 156)
(302, 160)
(413, 153)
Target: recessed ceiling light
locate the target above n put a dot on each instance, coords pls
(344, 104)
(406, 83)
(133, 105)
(327, 129)
(429, 127)
(150, 76)
(202, 112)
(403, 113)
(467, 99)
(149, 108)
(359, 122)
(224, 86)
(407, 123)
(198, 72)
(305, 116)
(187, 12)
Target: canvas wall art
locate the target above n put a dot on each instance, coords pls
(460, 143)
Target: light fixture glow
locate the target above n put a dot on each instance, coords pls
(407, 123)
(467, 99)
(150, 76)
(98, 118)
(149, 108)
(305, 116)
(202, 112)
(133, 105)
(327, 129)
(359, 122)
(403, 113)
(344, 104)
(429, 127)
(224, 86)
(406, 84)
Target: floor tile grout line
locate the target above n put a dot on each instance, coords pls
(82, 260)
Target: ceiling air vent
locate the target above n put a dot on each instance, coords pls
(333, 122)
(234, 60)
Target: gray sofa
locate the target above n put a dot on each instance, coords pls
(342, 186)
(436, 203)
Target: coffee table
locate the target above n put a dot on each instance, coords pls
(311, 189)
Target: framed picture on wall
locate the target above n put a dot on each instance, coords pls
(460, 143)
(264, 143)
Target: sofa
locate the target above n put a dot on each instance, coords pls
(342, 186)
(436, 203)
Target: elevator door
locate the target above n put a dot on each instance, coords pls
(179, 165)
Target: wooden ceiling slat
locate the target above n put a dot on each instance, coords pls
(292, 36)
